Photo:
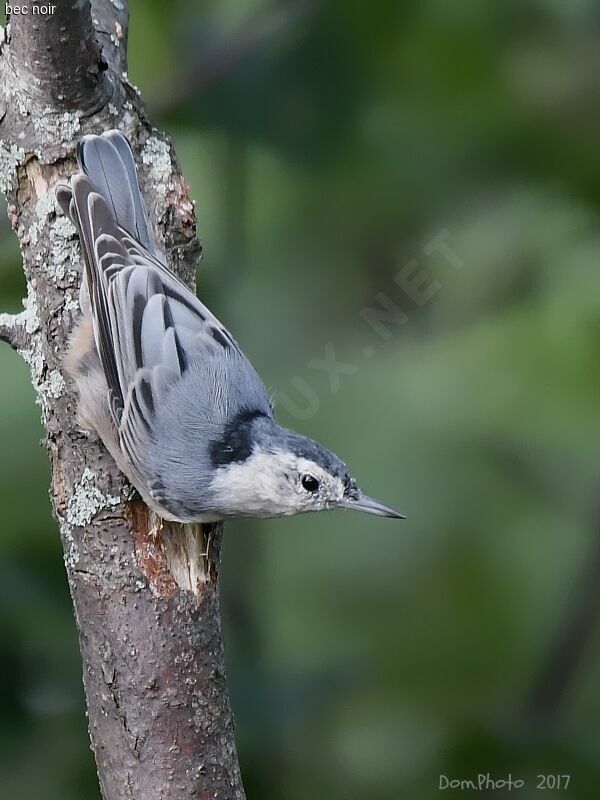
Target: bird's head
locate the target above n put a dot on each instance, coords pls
(269, 471)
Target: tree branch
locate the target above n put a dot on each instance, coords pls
(12, 331)
(145, 596)
(111, 20)
(55, 57)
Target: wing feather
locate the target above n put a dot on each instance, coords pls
(149, 328)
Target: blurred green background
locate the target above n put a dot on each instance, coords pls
(327, 145)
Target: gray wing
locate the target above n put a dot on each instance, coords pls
(149, 329)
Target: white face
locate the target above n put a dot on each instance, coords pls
(276, 484)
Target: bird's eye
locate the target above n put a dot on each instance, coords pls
(309, 483)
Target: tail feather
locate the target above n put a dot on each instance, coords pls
(105, 204)
(108, 161)
(141, 227)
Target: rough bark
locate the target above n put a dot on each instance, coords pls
(145, 596)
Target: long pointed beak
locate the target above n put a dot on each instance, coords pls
(370, 506)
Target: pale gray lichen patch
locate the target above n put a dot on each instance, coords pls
(30, 316)
(47, 205)
(64, 250)
(48, 384)
(87, 500)
(28, 320)
(54, 385)
(10, 159)
(48, 123)
(11, 322)
(71, 550)
(157, 156)
(34, 358)
(22, 103)
(71, 302)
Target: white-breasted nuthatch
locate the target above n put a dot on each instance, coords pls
(164, 384)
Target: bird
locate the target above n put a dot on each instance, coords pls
(164, 384)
